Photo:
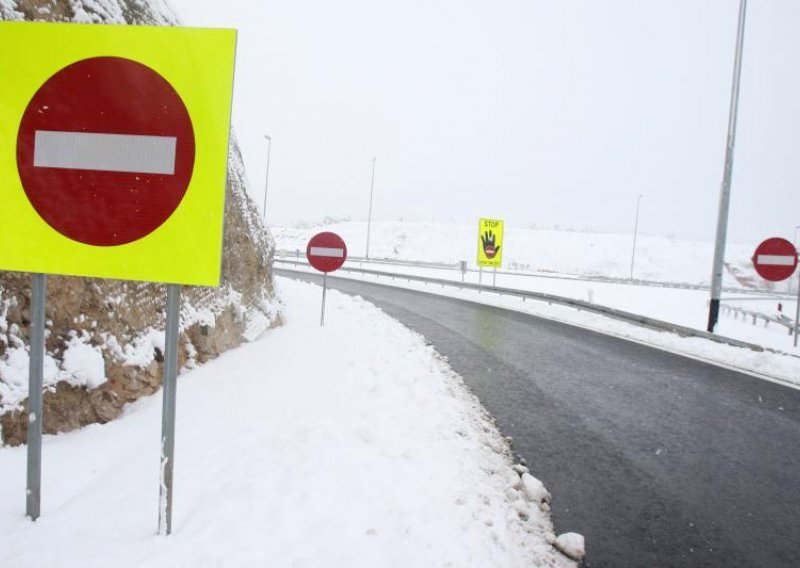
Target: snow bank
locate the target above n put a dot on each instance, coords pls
(349, 445)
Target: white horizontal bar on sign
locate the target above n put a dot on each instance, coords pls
(130, 153)
(775, 260)
(325, 251)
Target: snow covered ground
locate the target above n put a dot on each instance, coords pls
(348, 445)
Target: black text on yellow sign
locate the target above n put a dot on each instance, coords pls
(490, 243)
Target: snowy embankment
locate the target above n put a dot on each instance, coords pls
(349, 445)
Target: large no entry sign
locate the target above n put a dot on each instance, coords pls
(113, 150)
(775, 259)
(105, 151)
(326, 252)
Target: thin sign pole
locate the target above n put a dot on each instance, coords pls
(36, 366)
(635, 231)
(369, 217)
(494, 277)
(324, 288)
(797, 310)
(168, 409)
(725, 190)
(266, 178)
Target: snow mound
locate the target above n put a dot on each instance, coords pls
(571, 544)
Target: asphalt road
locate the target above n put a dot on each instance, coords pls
(658, 460)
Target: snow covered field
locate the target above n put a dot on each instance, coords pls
(539, 250)
(348, 445)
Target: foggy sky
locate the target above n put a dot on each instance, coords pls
(536, 112)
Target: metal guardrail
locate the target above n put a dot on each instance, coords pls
(652, 323)
(298, 255)
(736, 311)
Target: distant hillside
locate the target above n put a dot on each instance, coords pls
(543, 250)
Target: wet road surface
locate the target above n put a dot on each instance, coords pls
(658, 460)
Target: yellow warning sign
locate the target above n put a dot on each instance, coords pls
(490, 241)
(114, 149)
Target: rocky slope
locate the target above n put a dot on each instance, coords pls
(105, 337)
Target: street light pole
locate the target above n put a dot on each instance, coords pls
(797, 304)
(369, 217)
(635, 230)
(266, 180)
(725, 190)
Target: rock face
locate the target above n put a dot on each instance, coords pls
(104, 338)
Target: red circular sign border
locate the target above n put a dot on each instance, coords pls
(102, 208)
(329, 240)
(776, 246)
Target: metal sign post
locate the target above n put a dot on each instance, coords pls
(36, 366)
(168, 409)
(326, 252)
(324, 289)
(797, 310)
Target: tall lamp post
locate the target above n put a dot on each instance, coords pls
(797, 305)
(266, 180)
(635, 230)
(725, 189)
(369, 217)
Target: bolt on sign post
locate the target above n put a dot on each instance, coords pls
(775, 259)
(113, 159)
(490, 243)
(326, 252)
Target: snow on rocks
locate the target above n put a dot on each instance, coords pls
(572, 545)
(84, 364)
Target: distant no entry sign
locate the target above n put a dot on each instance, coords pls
(105, 151)
(326, 252)
(775, 259)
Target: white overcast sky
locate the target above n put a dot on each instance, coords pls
(557, 112)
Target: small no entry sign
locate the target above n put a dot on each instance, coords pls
(326, 252)
(114, 150)
(775, 259)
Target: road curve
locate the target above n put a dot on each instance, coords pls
(659, 460)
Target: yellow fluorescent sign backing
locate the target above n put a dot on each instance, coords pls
(490, 241)
(114, 150)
